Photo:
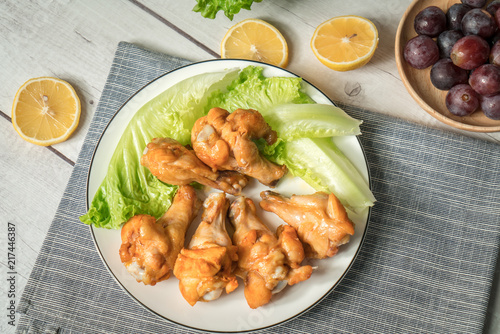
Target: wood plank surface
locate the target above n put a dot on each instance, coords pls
(76, 40)
(32, 182)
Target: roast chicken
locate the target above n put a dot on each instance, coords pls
(225, 141)
(150, 247)
(266, 261)
(175, 164)
(320, 219)
(205, 267)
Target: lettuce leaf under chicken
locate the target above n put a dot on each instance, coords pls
(129, 188)
(304, 141)
(304, 133)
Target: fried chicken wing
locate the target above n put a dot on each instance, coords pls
(205, 268)
(150, 247)
(267, 262)
(320, 219)
(225, 141)
(175, 164)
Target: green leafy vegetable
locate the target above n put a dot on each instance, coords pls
(210, 8)
(252, 90)
(320, 163)
(128, 188)
(292, 121)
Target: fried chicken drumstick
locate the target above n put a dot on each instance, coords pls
(320, 219)
(225, 141)
(175, 164)
(150, 247)
(204, 269)
(267, 262)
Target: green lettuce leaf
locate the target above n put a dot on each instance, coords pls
(320, 163)
(292, 121)
(210, 8)
(252, 90)
(284, 105)
(129, 188)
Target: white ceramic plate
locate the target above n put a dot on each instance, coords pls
(230, 313)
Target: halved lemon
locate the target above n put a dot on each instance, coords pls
(255, 39)
(345, 43)
(46, 111)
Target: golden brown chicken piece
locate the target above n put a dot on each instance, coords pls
(225, 141)
(175, 164)
(267, 262)
(204, 269)
(320, 219)
(149, 247)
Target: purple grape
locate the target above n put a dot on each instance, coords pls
(445, 74)
(455, 14)
(495, 54)
(462, 100)
(492, 7)
(421, 52)
(430, 21)
(470, 52)
(446, 40)
(495, 38)
(485, 80)
(475, 3)
(491, 106)
(497, 17)
(478, 22)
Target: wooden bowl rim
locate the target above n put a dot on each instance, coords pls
(416, 96)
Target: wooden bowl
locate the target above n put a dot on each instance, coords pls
(418, 82)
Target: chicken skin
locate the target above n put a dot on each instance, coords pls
(266, 262)
(320, 219)
(225, 141)
(150, 247)
(205, 268)
(175, 164)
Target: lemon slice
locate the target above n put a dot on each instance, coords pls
(345, 43)
(46, 111)
(255, 39)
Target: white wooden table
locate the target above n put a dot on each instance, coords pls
(75, 41)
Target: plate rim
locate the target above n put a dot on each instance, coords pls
(92, 227)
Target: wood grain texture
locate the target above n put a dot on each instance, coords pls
(32, 183)
(76, 41)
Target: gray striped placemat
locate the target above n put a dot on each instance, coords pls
(426, 265)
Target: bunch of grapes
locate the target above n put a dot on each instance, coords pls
(463, 48)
